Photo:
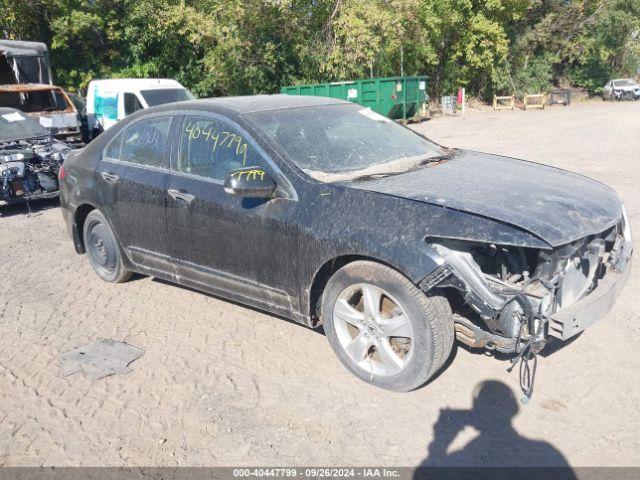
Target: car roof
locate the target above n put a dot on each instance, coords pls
(259, 103)
(147, 83)
(27, 87)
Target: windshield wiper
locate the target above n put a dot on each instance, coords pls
(373, 176)
(435, 159)
(424, 161)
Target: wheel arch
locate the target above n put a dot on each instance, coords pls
(79, 216)
(327, 270)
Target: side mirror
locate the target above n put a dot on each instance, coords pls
(249, 182)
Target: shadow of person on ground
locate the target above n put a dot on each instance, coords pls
(498, 443)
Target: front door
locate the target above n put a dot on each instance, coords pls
(132, 175)
(128, 103)
(242, 248)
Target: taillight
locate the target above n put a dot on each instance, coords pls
(61, 173)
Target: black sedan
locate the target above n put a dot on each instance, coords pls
(327, 213)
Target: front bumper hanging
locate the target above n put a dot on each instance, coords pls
(575, 318)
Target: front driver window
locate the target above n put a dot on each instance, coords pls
(210, 148)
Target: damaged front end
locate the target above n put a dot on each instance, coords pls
(29, 170)
(507, 298)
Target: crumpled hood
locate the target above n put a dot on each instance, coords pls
(555, 205)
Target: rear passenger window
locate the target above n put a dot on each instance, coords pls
(145, 142)
(112, 150)
(210, 148)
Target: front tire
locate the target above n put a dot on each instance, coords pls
(103, 249)
(383, 328)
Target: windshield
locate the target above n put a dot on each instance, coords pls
(15, 125)
(624, 83)
(34, 101)
(160, 96)
(345, 141)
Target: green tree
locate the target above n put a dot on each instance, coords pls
(228, 47)
(25, 19)
(87, 40)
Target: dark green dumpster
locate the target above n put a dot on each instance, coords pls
(395, 97)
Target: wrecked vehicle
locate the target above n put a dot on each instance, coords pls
(47, 104)
(327, 213)
(30, 159)
(24, 62)
(621, 89)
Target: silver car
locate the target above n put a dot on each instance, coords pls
(621, 89)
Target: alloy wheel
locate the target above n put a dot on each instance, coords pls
(373, 329)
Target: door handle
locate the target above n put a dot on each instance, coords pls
(109, 177)
(178, 195)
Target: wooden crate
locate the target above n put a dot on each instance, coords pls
(539, 100)
(504, 103)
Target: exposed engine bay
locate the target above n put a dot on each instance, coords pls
(29, 169)
(514, 299)
(500, 286)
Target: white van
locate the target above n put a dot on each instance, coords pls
(111, 100)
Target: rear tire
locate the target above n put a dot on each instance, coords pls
(103, 249)
(402, 345)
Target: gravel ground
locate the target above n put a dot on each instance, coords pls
(220, 384)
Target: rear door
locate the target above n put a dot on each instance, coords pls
(244, 248)
(132, 176)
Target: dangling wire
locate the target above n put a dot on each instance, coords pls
(528, 373)
(528, 355)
